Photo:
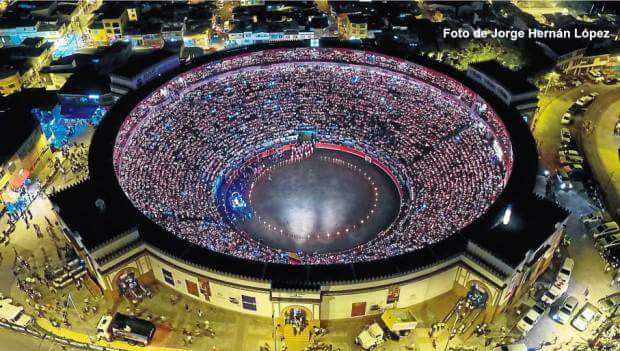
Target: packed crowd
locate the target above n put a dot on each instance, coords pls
(450, 153)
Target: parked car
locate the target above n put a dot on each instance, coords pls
(592, 218)
(573, 168)
(370, 337)
(608, 241)
(575, 159)
(610, 81)
(527, 322)
(511, 347)
(575, 109)
(587, 314)
(564, 179)
(564, 313)
(565, 136)
(612, 256)
(555, 291)
(596, 76)
(584, 101)
(13, 314)
(566, 119)
(610, 302)
(605, 229)
(566, 270)
(568, 153)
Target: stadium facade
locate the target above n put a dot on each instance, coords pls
(499, 255)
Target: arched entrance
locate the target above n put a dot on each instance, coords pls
(296, 324)
(126, 284)
(296, 310)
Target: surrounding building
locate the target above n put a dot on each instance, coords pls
(24, 150)
(605, 59)
(510, 87)
(141, 69)
(112, 247)
(353, 26)
(10, 81)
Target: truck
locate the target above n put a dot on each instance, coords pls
(398, 322)
(10, 313)
(133, 330)
(370, 337)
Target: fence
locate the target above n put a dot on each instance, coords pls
(54, 338)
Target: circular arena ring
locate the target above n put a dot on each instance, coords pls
(194, 155)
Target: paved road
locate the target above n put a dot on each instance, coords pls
(547, 125)
(10, 341)
(588, 274)
(589, 267)
(601, 146)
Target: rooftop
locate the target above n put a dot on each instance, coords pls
(529, 219)
(563, 46)
(140, 62)
(96, 226)
(24, 52)
(86, 83)
(612, 48)
(15, 117)
(110, 11)
(509, 79)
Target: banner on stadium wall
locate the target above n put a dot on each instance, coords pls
(205, 288)
(393, 295)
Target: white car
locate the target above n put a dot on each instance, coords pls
(585, 317)
(568, 153)
(527, 322)
(566, 270)
(592, 218)
(565, 136)
(103, 328)
(605, 229)
(564, 313)
(575, 159)
(584, 101)
(555, 291)
(567, 119)
(565, 181)
(511, 347)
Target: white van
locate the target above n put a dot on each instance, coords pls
(370, 337)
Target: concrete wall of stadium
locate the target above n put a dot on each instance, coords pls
(333, 301)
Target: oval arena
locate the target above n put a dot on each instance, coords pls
(333, 180)
(180, 149)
